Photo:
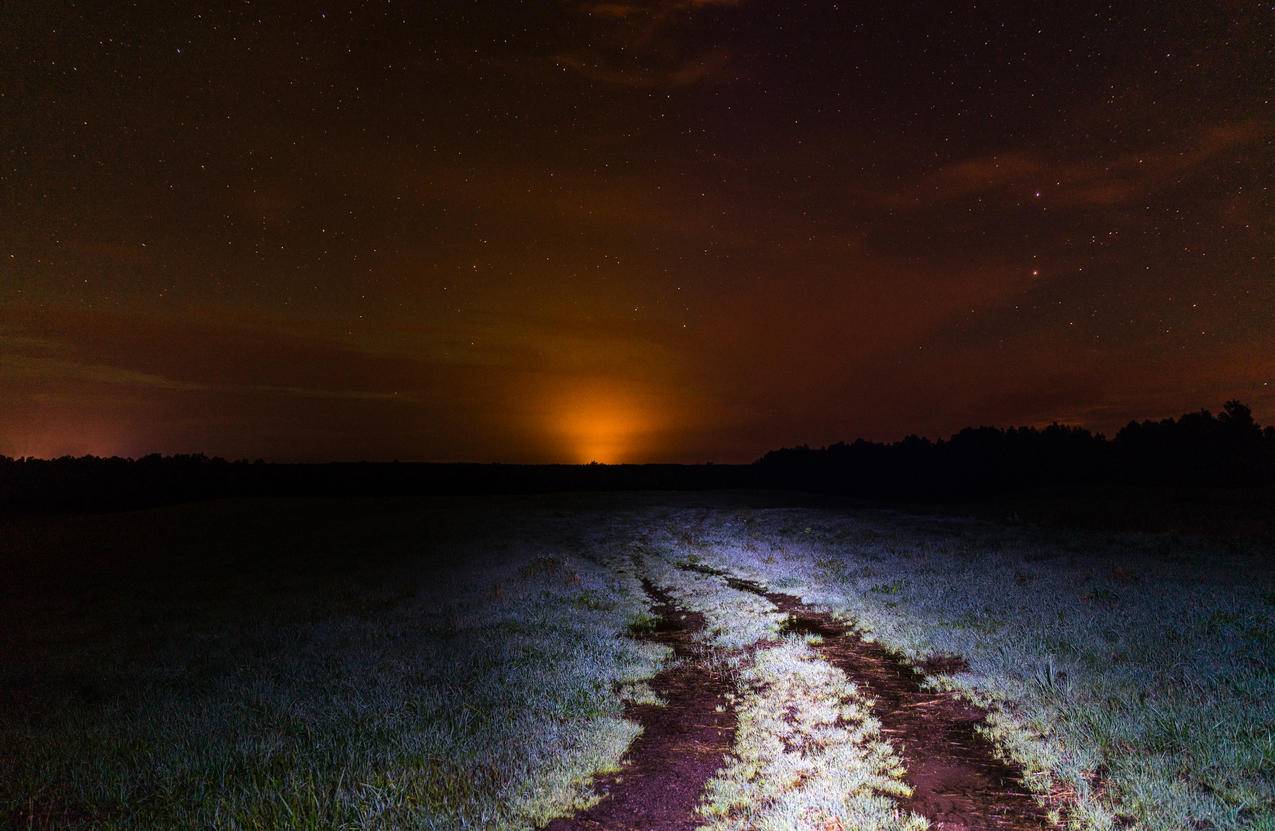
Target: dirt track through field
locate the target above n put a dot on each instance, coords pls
(958, 783)
(681, 746)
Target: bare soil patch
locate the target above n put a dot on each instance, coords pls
(682, 744)
(958, 783)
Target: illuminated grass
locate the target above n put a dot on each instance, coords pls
(1132, 677)
(733, 619)
(808, 753)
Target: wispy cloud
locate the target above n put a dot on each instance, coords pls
(285, 394)
(637, 45)
(1021, 174)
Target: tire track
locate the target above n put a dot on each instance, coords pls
(957, 780)
(682, 743)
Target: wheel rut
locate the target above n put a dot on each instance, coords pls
(958, 782)
(682, 744)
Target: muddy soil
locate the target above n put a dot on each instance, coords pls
(957, 781)
(682, 744)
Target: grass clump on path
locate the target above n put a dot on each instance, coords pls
(808, 754)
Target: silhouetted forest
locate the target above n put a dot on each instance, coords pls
(1197, 450)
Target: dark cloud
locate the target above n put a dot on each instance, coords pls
(649, 46)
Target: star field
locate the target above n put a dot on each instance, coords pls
(669, 230)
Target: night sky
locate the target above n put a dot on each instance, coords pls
(676, 230)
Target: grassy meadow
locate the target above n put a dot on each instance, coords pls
(465, 664)
(307, 665)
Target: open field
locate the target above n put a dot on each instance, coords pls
(486, 663)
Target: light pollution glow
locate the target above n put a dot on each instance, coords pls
(600, 424)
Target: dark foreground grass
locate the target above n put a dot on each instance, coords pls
(308, 665)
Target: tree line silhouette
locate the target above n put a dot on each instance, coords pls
(1200, 449)
(1196, 450)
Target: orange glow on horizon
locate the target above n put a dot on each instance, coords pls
(52, 441)
(603, 425)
